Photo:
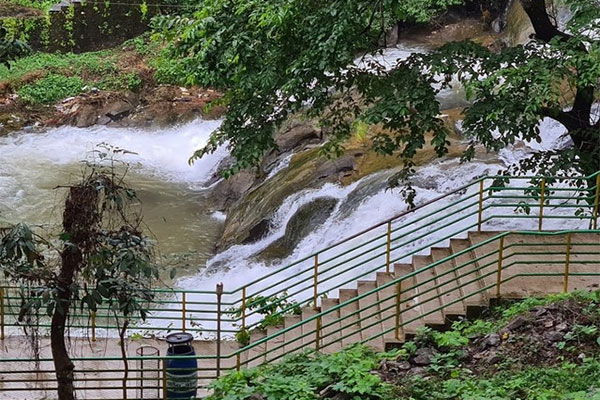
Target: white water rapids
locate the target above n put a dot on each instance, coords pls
(34, 164)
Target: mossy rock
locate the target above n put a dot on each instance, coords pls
(305, 220)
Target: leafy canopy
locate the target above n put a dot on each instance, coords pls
(274, 58)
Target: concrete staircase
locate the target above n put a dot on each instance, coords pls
(445, 292)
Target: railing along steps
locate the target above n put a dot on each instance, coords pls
(433, 297)
(309, 328)
(292, 342)
(256, 355)
(387, 298)
(409, 301)
(275, 346)
(428, 295)
(469, 280)
(447, 283)
(331, 332)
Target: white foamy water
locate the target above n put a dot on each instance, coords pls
(163, 153)
(34, 164)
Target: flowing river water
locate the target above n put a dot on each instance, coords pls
(171, 191)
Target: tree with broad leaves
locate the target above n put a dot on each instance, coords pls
(274, 58)
(101, 260)
(11, 49)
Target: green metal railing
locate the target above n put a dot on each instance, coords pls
(476, 207)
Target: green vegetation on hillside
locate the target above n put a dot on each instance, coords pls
(496, 357)
(46, 78)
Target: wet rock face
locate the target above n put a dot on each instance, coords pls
(305, 220)
(258, 231)
(298, 133)
(227, 191)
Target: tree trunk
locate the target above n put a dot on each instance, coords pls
(62, 362)
(578, 122)
(80, 219)
(122, 333)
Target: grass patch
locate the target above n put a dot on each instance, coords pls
(44, 78)
(87, 65)
(129, 66)
(50, 89)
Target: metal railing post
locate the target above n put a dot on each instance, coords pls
(1, 313)
(500, 259)
(597, 201)
(388, 252)
(480, 212)
(219, 296)
(567, 262)
(244, 309)
(164, 379)
(315, 282)
(93, 317)
(318, 338)
(183, 311)
(542, 200)
(397, 324)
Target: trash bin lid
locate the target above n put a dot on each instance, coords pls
(179, 338)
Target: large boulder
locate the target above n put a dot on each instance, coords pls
(227, 191)
(308, 169)
(308, 217)
(297, 134)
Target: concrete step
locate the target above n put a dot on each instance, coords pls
(256, 355)
(447, 284)
(428, 295)
(469, 279)
(387, 297)
(309, 329)
(275, 346)
(331, 328)
(579, 262)
(370, 318)
(293, 340)
(410, 316)
(349, 313)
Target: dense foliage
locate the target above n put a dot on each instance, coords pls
(274, 58)
(303, 376)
